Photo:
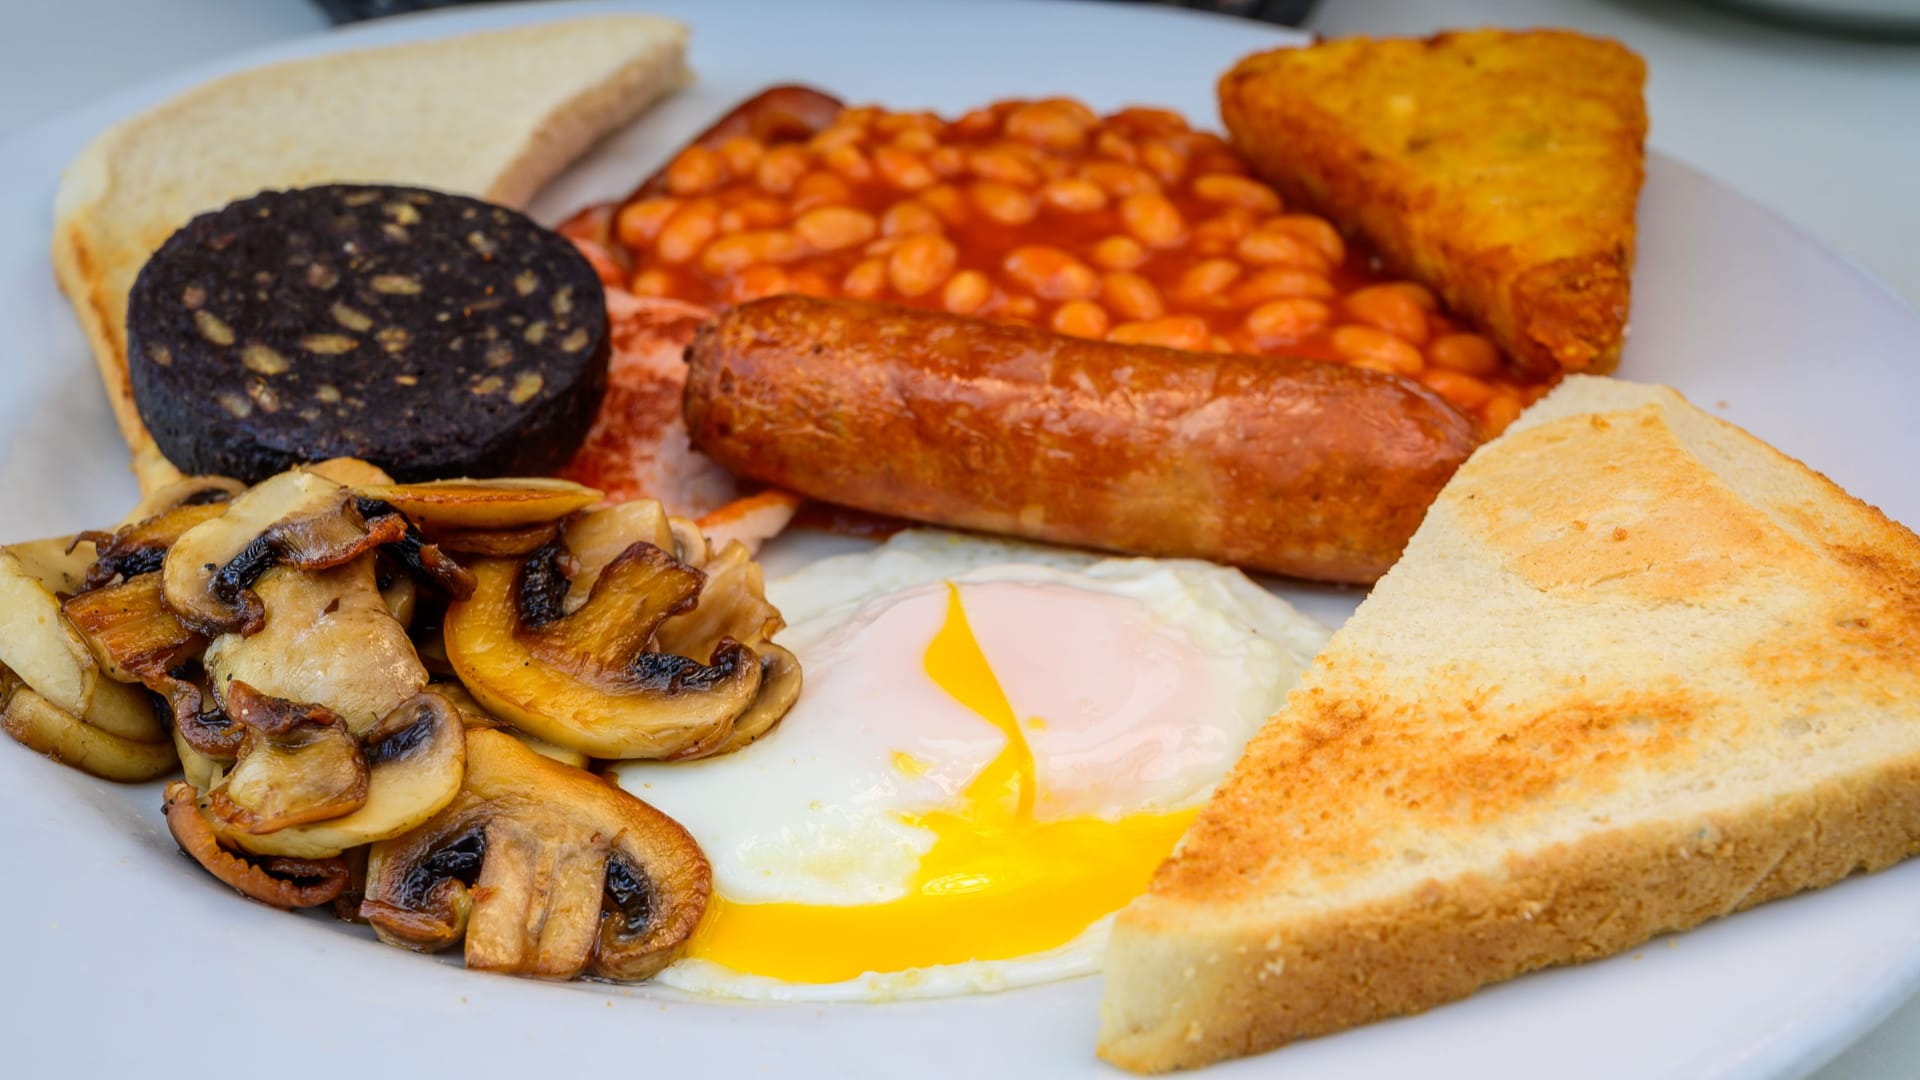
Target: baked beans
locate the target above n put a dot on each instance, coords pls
(1131, 227)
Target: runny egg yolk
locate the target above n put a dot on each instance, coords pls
(997, 883)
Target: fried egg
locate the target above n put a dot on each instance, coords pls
(995, 746)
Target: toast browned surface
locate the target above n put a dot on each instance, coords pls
(1502, 168)
(1636, 670)
(494, 114)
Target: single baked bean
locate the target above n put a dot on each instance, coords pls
(1119, 253)
(1231, 190)
(732, 221)
(696, 171)
(1025, 307)
(946, 201)
(1081, 318)
(1119, 180)
(974, 124)
(732, 254)
(1153, 220)
(859, 116)
(849, 164)
(1389, 309)
(1464, 391)
(1056, 125)
(1173, 331)
(1288, 319)
(1357, 343)
(1416, 292)
(1109, 144)
(907, 217)
(763, 213)
(1051, 274)
(1280, 281)
(1132, 296)
(921, 264)
(903, 169)
(654, 282)
(895, 123)
(687, 232)
(819, 189)
(1500, 410)
(1004, 203)
(865, 280)
(946, 161)
(1148, 120)
(1267, 246)
(639, 222)
(1000, 163)
(831, 228)
(742, 154)
(757, 281)
(842, 133)
(966, 292)
(1205, 281)
(1073, 196)
(810, 283)
(917, 140)
(1469, 354)
(1163, 161)
(1312, 231)
(780, 169)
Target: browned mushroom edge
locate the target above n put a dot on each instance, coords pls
(280, 882)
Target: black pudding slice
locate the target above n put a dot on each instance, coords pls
(431, 334)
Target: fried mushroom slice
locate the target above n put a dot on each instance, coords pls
(543, 870)
(732, 604)
(779, 689)
(282, 883)
(474, 715)
(297, 763)
(587, 680)
(595, 538)
(416, 757)
(298, 519)
(326, 636)
(43, 726)
(483, 505)
(132, 634)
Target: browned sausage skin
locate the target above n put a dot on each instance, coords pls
(1295, 467)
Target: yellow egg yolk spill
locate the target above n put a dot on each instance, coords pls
(997, 883)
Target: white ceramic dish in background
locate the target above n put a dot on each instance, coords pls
(124, 956)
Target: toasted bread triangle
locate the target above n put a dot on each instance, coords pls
(494, 114)
(1500, 167)
(1635, 670)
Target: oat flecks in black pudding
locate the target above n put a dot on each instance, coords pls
(432, 334)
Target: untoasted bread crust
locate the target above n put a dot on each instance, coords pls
(95, 265)
(1500, 167)
(1636, 670)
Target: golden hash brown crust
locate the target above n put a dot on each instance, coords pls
(1502, 168)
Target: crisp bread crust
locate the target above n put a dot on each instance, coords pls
(431, 334)
(1500, 167)
(1636, 670)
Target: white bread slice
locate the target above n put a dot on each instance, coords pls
(1636, 669)
(495, 114)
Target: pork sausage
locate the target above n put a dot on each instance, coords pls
(1295, 467)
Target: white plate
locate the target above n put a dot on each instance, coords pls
(124, 955)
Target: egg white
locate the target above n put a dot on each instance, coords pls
(816, 811)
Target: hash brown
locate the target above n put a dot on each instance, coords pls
(1500, 167)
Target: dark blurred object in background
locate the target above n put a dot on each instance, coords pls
(1284, 12)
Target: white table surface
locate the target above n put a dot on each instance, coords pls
(1824, 130)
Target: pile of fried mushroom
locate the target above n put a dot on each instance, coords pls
(390, 697)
